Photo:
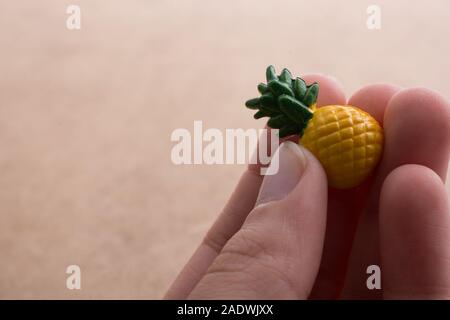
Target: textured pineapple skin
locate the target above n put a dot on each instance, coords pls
(347, 141)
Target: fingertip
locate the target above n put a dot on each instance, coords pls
(314, 180)
(426, 107)
(414, 226)
(421, 104)
(374, 98)
(286, 170)
(331, 90)
(410, 185)
(417, 123)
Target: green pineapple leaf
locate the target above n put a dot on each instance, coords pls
(286, 101)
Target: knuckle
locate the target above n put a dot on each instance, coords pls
(247, 258)
(215, 240)
(247, 244)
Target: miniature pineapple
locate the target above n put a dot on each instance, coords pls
(346, 140)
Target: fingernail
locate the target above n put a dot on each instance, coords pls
(291, 165)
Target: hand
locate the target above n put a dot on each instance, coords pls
(289, 236)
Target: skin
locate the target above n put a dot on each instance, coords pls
(398, 219)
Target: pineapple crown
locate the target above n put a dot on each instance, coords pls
(286, 101)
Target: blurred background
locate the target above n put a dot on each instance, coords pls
(86, 117)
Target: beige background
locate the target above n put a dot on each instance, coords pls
(86, 118)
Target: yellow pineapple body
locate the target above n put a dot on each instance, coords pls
(347, 141)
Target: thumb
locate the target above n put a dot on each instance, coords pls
(276, 254)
